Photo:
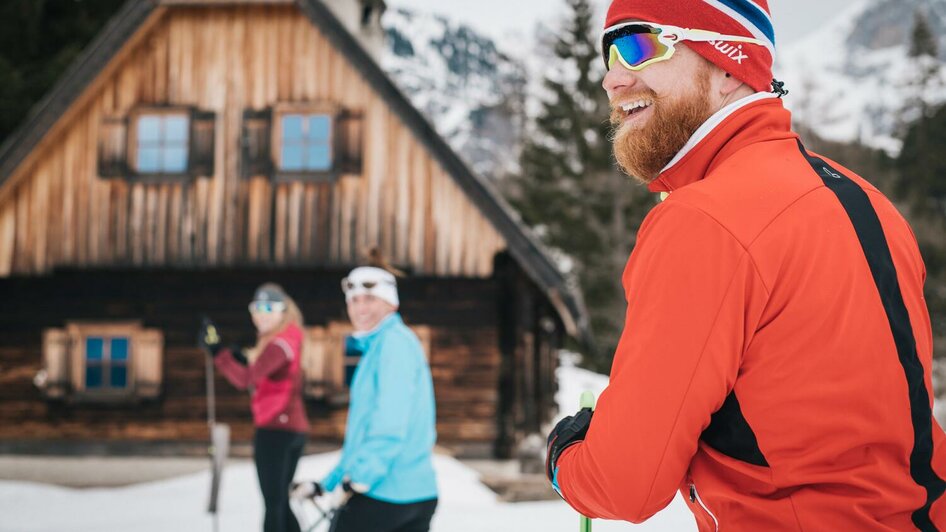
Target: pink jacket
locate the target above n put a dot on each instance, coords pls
(275, 379)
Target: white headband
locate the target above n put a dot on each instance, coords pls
(368, 280)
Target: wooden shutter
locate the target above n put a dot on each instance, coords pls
(76, 357)
(201, 154)
(56, 362)
(313, 363)
(113, 147)
(423, 334)
(147, 357)
(257, 156)
(349, 141)
(335, 360)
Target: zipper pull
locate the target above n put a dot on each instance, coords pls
(692, 492)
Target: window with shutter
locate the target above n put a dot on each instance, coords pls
(158, 144)
(302, 141)
(330, 359)
(101, 362)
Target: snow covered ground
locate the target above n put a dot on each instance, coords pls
(179, 504)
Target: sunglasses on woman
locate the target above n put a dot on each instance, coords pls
(640, 44)
(266, 307)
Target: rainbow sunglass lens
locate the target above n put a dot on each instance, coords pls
(635, 49)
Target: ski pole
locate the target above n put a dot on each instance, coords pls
(587, 401)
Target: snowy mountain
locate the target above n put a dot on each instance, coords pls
(850, 79)
(469, 90)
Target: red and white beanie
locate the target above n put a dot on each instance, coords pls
(749, 63)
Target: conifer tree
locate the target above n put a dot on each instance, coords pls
(923, 55)
(569, 188)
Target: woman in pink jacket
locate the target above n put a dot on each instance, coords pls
(274, 379)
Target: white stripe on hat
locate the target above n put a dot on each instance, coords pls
(744, 22)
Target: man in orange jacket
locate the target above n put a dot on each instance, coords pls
(775, 364)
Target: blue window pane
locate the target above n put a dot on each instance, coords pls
(149, 129)
(119, 376)
(320, 128)
(119, 349)
(292, 157)
(292, 128)
(175, 129)
(93, 376)
(93, 348)
(175, 159)
(318, 157)
(149, 159)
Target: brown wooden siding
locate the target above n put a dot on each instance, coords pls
(55, 211)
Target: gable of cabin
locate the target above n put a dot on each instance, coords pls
(235, 73)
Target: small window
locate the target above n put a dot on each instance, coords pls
(104, 361)
(305, 142)
(157, 144)
(330, 357)
(162, 141)
(310, 141)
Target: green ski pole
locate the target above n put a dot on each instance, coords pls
(587, 401)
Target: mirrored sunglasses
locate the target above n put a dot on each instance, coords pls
(639, 44)
(266, 307)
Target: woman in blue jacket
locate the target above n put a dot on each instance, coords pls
(386, 461)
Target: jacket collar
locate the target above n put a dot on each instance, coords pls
(367, 337)
(757, 118)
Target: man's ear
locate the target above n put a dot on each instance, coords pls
(729, 85)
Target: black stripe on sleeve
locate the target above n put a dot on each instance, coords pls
(871, 236)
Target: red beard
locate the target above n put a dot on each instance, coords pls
(643, 151)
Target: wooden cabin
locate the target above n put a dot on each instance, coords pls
(198, 148)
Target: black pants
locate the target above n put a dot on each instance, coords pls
(364, 514)
(276, 453)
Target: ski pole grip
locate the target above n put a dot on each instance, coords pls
(587, 400)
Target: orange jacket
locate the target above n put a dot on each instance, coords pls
(775, 361)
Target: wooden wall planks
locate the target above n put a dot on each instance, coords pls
(226, 60)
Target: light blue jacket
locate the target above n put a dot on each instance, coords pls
(391, 431)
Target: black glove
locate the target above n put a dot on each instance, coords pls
(238, 355)
(566, 433)
(207, 337)
(306, 490)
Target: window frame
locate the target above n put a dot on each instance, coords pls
(78, 333)
(134, 115)
(333, 111)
